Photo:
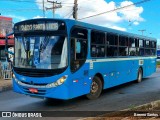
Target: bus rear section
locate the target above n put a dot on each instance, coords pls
(118, 58)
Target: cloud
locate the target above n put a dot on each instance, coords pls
(37, 17)
(131, 13)
(118, 28)
(136, 23)
(92, 7)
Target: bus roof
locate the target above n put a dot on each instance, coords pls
(94, 27)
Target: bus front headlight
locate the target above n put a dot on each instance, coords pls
(60, 81)
(13, 76)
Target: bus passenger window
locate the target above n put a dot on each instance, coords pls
(147, 45)
(123, 51)
(141, 52)
(93, 51)
(97, 44)
(153, 44)
(153, 52)
(97, 51)
(132, 42)
(112, 45)
(147, 52)
(135, 52)
(123, 46)
(140, 43)
(112, 51)
(101, 51)
(123, 41)
(97, 37)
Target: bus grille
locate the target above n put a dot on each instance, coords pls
(40, 92)
(38, 84)
(38, 72)
(33, 74)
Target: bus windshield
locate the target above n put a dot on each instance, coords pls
(40, 52)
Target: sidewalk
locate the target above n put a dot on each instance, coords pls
(5, 85)
(149, 111)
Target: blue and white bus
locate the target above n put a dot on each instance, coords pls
(64, 59)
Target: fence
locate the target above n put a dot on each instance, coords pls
(5, 70)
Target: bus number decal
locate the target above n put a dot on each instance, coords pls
(141, 62)
(91, 65)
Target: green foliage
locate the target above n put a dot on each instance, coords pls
(158, 62)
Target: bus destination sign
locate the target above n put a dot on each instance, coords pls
(31, 27)
(48, 26)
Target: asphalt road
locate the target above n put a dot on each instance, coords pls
(114, 99)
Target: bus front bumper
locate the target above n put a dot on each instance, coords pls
(58, 92)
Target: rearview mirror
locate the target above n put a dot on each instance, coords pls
(9, 51)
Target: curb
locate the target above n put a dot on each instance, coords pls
(148, 106)
(5, 87)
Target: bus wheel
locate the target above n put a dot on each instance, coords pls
(96, 88)
(139, 76)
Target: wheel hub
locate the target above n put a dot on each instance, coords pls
(94, 87)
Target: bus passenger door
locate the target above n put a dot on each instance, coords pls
(79, 68)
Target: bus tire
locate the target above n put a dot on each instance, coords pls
(96, 88)
(139, 76)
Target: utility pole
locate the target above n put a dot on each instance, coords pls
(142, 31)
(55, 6)
(75, 9)
(43, 10)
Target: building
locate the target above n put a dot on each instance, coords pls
(5, 28)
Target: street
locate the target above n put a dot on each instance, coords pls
(114, 99)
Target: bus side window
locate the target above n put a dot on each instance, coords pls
(134, 47)
(123, 45)
(112, 46)
(93, 51)
(97, 44)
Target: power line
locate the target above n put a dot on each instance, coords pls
(22, 1)
(140, 2)
(70, 12)
(56, 5)
(31, 1)
(19, 10)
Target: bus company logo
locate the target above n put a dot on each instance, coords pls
(6, 114)
(23, 78)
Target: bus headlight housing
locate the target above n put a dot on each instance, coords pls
(60, 81)
(13, 76)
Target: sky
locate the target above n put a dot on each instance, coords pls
(133, 19)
